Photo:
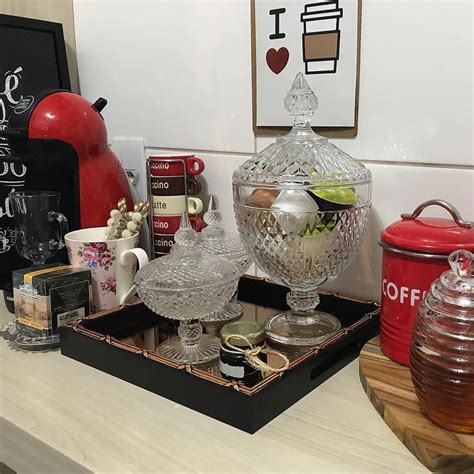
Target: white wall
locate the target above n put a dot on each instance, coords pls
(177, 73)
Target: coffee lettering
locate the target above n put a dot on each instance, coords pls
(160, 185)
(7, 211)
(160, 225)
(415, 296)
(392, 292)
(165, 243)
(159, 205)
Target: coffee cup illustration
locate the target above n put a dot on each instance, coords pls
(175, 205)
(321, 36)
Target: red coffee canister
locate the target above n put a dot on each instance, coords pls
(415, 253)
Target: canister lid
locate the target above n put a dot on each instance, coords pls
(433, 235)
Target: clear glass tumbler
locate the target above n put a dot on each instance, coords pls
(40, 228)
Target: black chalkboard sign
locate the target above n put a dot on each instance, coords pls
(33, 57)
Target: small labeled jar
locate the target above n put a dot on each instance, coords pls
(236, 338)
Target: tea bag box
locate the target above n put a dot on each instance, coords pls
(48, 296)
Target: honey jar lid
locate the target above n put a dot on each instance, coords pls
(251, 330)
(456, 286)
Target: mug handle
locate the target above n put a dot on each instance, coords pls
(197, 223)
(63, 229)
(194, 165)
(126, 260)
(194, 205)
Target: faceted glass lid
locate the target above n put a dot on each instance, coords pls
(186, 267)
(456, 286)
(215, 240)
(302, 156)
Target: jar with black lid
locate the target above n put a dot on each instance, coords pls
(233, 364)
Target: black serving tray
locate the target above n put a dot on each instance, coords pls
(98, 341)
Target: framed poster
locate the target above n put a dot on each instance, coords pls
(33, 57)
(321, 39)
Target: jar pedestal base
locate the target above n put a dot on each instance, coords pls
(293, 329)
(205, 350)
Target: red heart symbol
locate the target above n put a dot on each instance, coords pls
(277, 60)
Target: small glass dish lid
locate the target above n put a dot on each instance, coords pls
(302, 157)
(215, 240)
(186, 267)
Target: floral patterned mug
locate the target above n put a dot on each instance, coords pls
(113, 264)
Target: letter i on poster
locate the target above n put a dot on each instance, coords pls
(318, 38)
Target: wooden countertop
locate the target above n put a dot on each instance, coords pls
(58, 415)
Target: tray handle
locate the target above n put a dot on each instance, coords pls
(445, 205)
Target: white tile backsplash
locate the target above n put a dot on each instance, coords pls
(179, 76)
(174, 72)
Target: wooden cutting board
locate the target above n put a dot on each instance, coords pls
(390, 389)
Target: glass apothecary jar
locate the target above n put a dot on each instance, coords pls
(302, 206)
(442, 347)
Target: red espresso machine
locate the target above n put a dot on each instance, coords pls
(60, 139)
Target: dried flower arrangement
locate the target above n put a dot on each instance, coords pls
(122, 223)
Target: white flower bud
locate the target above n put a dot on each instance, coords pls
(132, 226)
(137, 217)
(126, 233)
(114, 213)
(110, 222)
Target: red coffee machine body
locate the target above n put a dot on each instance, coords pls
(415, 252)
(62, 139)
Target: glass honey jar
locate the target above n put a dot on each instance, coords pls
(442, 347)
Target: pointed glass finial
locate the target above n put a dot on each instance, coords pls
(462, 263)
(300, 101)
(185, 236)
(213, 219)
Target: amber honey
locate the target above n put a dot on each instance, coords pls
(442, 368)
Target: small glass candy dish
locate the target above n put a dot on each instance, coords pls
(187, 285)
(215, 240)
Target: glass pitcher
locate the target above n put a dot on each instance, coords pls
(442, 347)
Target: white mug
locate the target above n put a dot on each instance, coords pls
(112, 264)
(176, 205)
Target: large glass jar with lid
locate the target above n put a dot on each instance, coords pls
(442, 347)
(302, 206)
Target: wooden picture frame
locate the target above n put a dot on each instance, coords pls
(272, 131)
(47, 27)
